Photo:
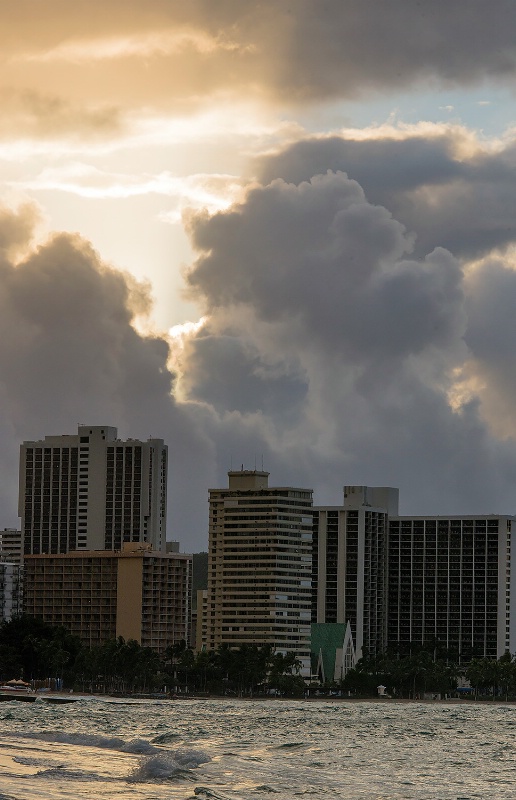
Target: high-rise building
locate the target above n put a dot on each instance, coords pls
(10, 590)
(11, 545)
(259, 570)
(450, 582)
(99, 595)
(440, 582)
(92, 491)
(349, 563)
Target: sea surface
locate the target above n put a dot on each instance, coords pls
(247, 750)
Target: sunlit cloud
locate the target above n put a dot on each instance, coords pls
(210, 191)
(180, 332)
(155, 43)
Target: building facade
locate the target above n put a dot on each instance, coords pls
(92, 491)
(440, 582)
(11, 545)
(259, 566)
(450, 582)
(10, 590)
(349, 564)
(136, 593)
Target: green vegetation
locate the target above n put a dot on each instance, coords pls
(35, 651)
(431, 670)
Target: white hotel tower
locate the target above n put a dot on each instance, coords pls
(92, 491)
(259, 566)
(349, 563)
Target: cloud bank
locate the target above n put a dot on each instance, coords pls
(83, 67)
(357, 301)
(341, 342)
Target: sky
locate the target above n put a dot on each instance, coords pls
(274, 234)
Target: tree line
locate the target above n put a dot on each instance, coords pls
(35, 651)
(428, 669)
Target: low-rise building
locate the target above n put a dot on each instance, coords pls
(97, 595)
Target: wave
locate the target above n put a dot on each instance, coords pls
(165, 738)
(168, 766)
(289, 745)
(69, 774)
(137, 746)
(203, 792)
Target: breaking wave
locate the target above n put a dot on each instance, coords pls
(168, 766)
(137, 746)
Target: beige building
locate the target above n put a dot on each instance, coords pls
(201, 621)
(136, 593)
(259, 568)
(92, 491)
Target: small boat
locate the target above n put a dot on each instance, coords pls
(9, 694)
(17, 690)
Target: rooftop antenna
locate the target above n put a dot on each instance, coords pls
(262, 462)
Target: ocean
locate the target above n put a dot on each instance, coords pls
(234, 749)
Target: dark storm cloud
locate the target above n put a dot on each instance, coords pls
(339, 49)
(491, 338)
(322, 258)
(314, 273)
(441, 185)
(230, 374)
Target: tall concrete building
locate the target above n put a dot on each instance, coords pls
(99, 595)
(10, 590)
(450, 581)
(11, 545)
(443, 582)
(92, 491)
(259, 568)
(349, 564)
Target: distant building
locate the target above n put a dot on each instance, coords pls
(92, 491)
(10, 590)
(450, 582)
(11, 573)
(11, 545)
(349, 563)
(259, 568)
(136, 593)
(201, 621)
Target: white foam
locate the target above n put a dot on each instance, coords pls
(166, 766)
(138, 746)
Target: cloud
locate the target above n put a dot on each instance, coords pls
(446, 186)
(314, 297)
(328, 347)
(69, 353)
(39, 114)
(301, 52)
